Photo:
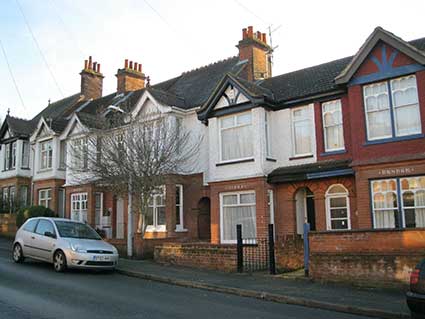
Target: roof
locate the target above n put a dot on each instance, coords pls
(59, 108)
(17, 126)
(316, 170)
(314, 80)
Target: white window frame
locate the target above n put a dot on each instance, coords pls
(328, 197)
(180, 223)
(46, 147)
(10, 156)
(341, 125)
(79, 206)
(45, 197)
(229, 241)
(25, 154)
(267, 134)
(391, 108)
(80, 146)
(155, 227)
(234, 116)
(293, 121)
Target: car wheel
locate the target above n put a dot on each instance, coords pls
(18, 255)
(59, 261)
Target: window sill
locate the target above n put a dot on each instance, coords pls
(271, 159)
(336, 152)
(44, 170)
(25, 168)
(9, 170)
(235, 162)
(394, 139)
(300, 157)
(151, 229)
(181, 230)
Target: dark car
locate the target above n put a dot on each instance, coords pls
(416, 295)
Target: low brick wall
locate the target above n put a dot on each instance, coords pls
(8, 225)
(198, 255)
(289, 253)
(366, 257)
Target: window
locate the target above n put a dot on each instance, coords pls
(44, 226)
(270, 204)
(5, 198)
(391, 210)
(267, 134)
(337, 208)
(62, 155)
(155, 218)
(10, 156)
(392, 108)
(46, 154)
(45, 197)
(179, 208)
(237, 208)
(236, 137)
(332, 126)
(301, 131)
(81, 153)
(23, 196)
(25, 154)
(30, 225)
(12, 198)
(79, 207)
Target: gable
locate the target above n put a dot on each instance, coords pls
(231, 96)
(7, 135)
(148, 105)
(43, 132)
(384, 61)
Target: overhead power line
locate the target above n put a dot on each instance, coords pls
(39, 48)
(11, 75)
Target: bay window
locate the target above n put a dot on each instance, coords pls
(399, 202)
(45, 197)
(337, 208)
(25, 154)
(236, 137)
(332, 126)
(237, 208)
(155, 217)
(392, 108)
(301, 131)
(10, 156)
(46, 154)
(81, 153)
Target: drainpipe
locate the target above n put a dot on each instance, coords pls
(32, 177)
(130, 220)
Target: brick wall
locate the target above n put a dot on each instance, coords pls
(366, 257)
(198, 255)
(8, 225)
(54, 185)
(289, 253)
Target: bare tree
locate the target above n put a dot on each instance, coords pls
(134, 157)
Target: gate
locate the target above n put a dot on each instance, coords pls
(256, 254)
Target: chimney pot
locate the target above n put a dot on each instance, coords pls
(86, 64)
(135, 66)
(94, 66)
(126, 63)
(90, 62)
(98, 68)
(131, 65)
(140, 67)
(250, 32)
(264, 38)
(244, 34)
(258, 35)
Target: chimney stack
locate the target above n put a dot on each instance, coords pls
(254, 48)
(91, 80)
(131, 77)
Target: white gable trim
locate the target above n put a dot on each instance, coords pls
(142, 101)
(42, 124)
(71, 125)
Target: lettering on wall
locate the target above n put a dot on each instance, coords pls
(235, 187)
(396, 171)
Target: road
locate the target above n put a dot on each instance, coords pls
(33, 290)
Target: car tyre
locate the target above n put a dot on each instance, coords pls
(59, 261)
(18, 255)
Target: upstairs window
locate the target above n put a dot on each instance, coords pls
(10, 156)
(46, 155)
(332, 126)
(81, 153)
(62, 155)
(25, 154)
(236, 137)
(301, 131)
(392, 108)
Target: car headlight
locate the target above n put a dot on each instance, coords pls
(77, 248)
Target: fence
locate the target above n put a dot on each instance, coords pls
(256, 254)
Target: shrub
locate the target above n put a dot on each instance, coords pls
(33, 211)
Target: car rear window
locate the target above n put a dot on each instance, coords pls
(30, 225)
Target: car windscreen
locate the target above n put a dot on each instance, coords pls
(76, 230)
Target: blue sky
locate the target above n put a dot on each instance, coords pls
(169, 37)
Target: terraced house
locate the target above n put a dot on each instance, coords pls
(338, 145)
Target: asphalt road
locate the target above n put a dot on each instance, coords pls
(33, 290)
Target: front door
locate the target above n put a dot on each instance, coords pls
(311, 215)
(120, 219)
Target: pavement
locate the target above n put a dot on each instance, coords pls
(379, 303)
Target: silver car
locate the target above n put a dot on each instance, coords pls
(65, 243)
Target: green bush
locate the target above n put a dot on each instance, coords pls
(33, 211)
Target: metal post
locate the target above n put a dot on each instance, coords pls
(306, 248)
(271, 250)
(130, 221)
(239, 247)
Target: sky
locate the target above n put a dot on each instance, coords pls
(44, 42)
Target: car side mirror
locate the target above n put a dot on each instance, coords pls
(49, 234)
